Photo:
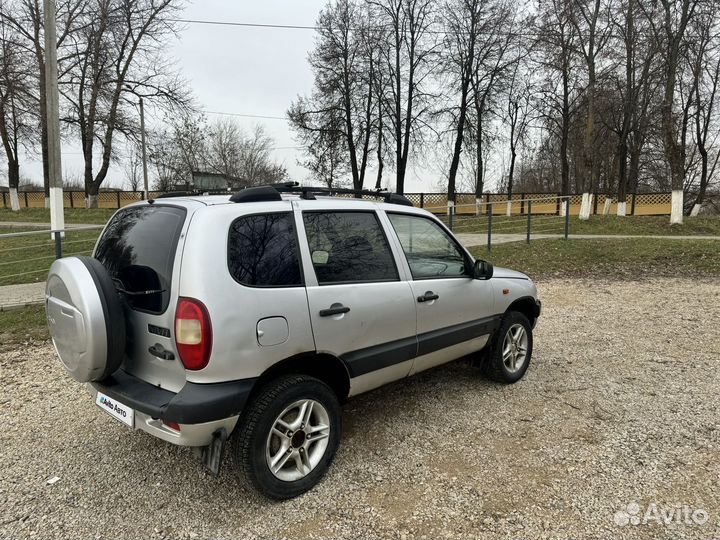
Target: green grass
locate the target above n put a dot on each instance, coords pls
(607, 225)
(72, 215)
(624, 258)
(646, 225)
(26, 259)
(22, 326)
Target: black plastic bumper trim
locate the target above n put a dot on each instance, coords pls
(193, 404)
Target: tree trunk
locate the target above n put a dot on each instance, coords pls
(14, 182)
(457, 148)
(381, 162)
(479, 180)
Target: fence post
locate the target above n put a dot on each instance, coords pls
(487, 201)
(595, 199)
(422, 200)
(529, 215)
(522, 203)
(451, 213)
(117, 193)
(632, 208)
(567, 217)
(142, 195)
(490, 213)
(58, 245)
(26, 201)
(558, 203)
(72, 203)
(4, 200)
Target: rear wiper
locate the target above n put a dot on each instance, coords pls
(119, 285)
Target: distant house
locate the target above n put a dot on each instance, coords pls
(214, 181)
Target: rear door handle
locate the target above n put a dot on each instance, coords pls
(428, 296)
(335, 309)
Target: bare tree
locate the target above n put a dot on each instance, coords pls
(669, 31)
(344, 63)
(704, 62)
(244, 160)
(517, 118)
(116, 56)
(16, 80)
(557, 43)
(406, 56)
(134, 169)
(26, 18)
(592, 26)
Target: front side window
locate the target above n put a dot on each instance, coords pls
(431, 252)
(262, 251)
(348, 247)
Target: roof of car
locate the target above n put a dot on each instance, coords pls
(214, 200)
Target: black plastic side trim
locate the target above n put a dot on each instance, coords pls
(436, 340)
(387, 354)
(380, 356)
(194, 404)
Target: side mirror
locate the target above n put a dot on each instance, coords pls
(482, 270)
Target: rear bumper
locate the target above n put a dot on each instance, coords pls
(199, 409)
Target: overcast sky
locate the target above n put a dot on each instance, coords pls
(255, 71)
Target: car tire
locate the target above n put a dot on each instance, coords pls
(256, 442)
(505, 363)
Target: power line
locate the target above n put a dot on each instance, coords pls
(317, 28)
(243, 115)
(248, 25)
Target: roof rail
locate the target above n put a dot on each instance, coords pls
(273, 191)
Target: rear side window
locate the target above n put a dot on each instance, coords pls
(348, 247)
(137, 249)
(262, 251)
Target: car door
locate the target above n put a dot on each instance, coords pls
(360, 309)
(455, 312)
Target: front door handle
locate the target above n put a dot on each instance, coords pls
(335, 309)
(428, 296)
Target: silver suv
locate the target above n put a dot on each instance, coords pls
(243, 322)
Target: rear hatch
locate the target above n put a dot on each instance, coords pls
(140, 248)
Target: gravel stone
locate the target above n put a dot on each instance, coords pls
(618, 408)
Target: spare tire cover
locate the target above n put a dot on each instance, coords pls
(85, 317)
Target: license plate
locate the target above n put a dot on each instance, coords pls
(116, 409)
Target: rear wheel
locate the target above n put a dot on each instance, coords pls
(510, 350)
(288, 436)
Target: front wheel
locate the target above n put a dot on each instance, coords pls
(510, 350)
(288, 436)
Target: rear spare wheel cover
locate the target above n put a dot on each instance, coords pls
(85, 318)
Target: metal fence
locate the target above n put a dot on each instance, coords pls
(26, 256)
(491, 222)
(640, 204)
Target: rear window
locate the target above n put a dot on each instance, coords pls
(138, 250)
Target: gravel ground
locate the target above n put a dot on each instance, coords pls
(619, 407)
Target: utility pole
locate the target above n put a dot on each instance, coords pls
(57, 217)
(144, 150)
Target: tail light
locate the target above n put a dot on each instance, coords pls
(193, 333)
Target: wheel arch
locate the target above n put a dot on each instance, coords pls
(326, 367)
(527, 306)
